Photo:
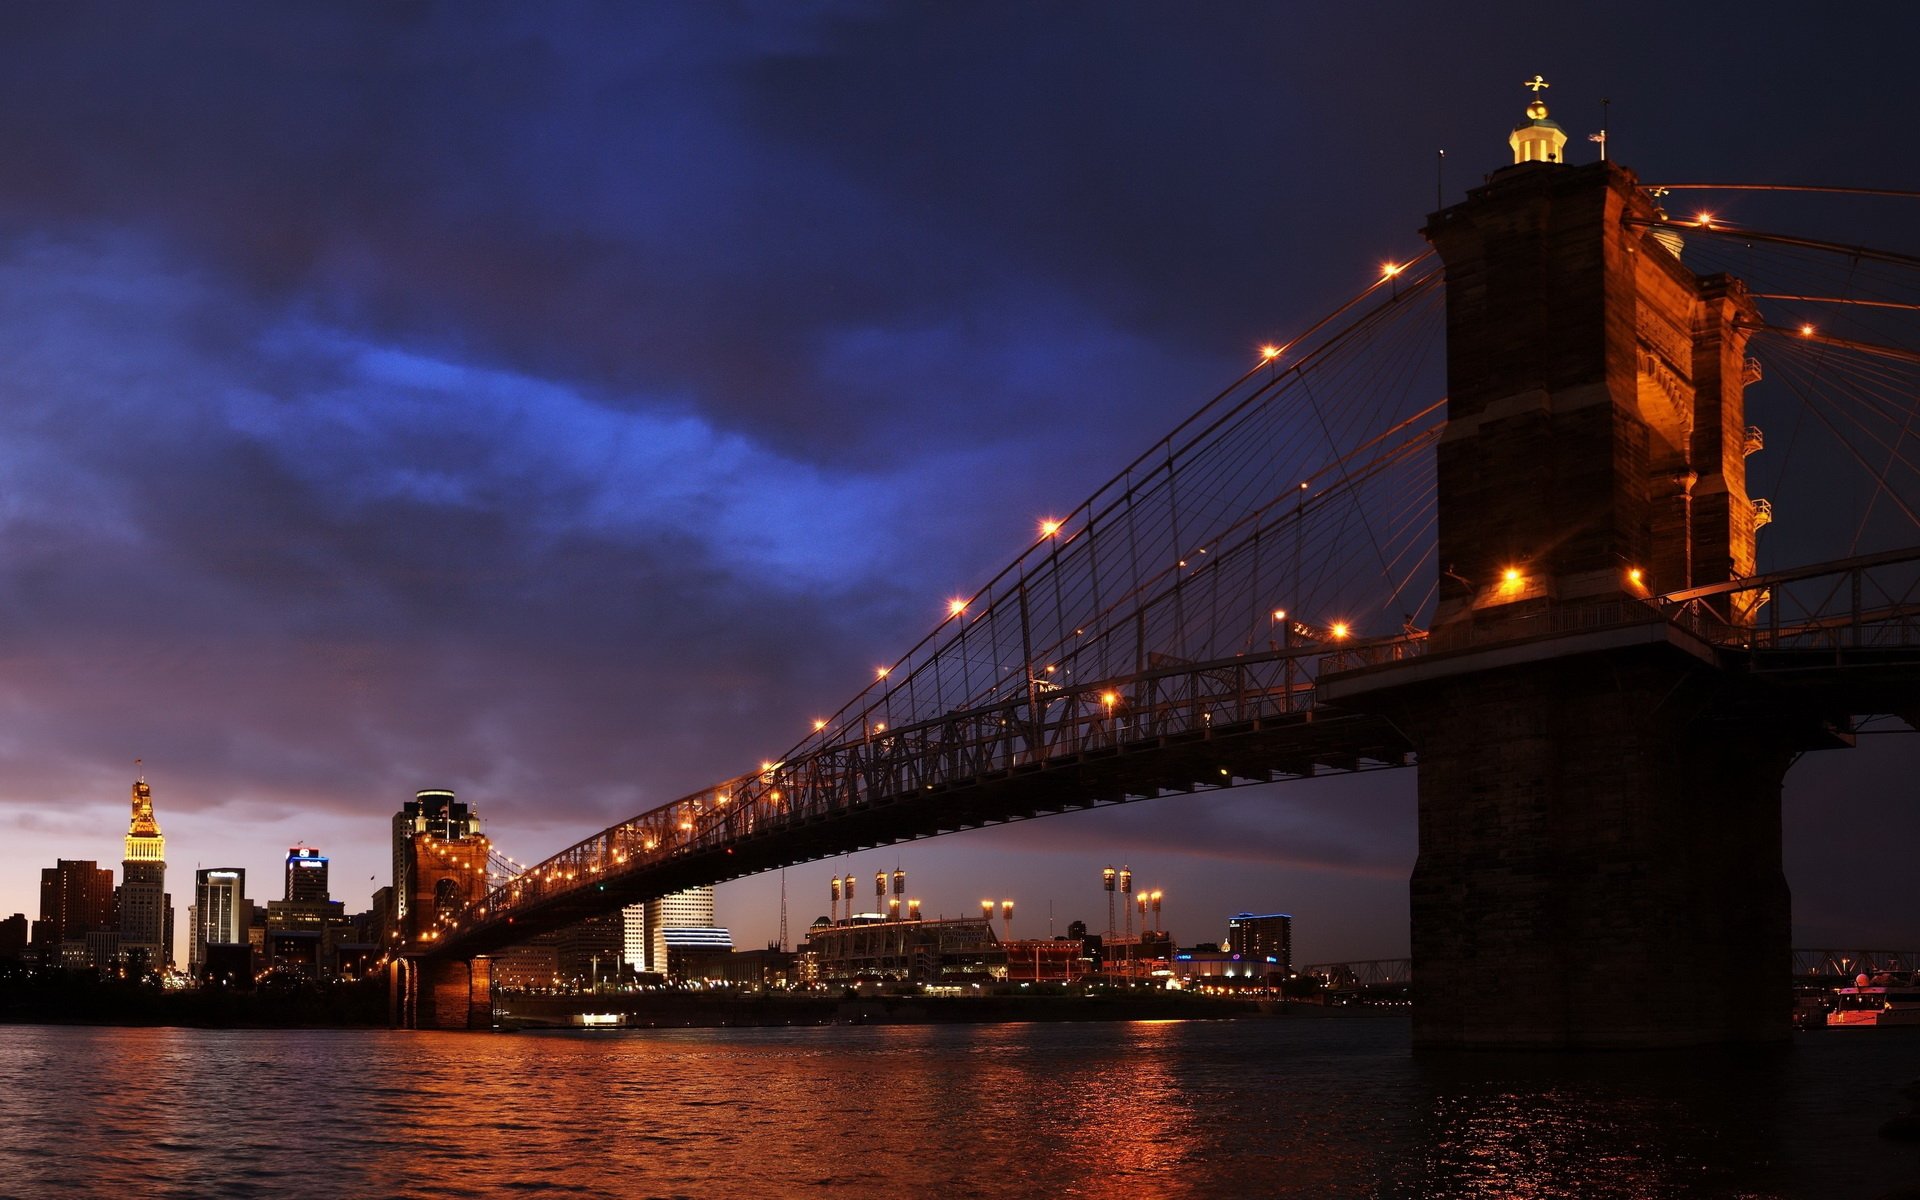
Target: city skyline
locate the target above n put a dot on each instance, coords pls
(571, 429)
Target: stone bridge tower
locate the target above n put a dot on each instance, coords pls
(1600, 858)
(443, 875)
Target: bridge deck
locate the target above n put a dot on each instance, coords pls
(1282, 746)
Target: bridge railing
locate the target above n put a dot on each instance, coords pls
(1871, 602)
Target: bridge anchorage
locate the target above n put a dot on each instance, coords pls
(1601, 691)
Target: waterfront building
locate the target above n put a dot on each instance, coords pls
(433, 811)
(868, 948)
(13, 937)
(379, 928)
(590, 952)
(301, 936)
(143, 907)
(1266, 937)
(76, 898)
(683, 910)
(698, 952)
(257, 932)
(99, 950)
(1137, 957)
(1216, 968)
(220, 914)
(1052, 960)
(633, 936)
(306, 874)
(769, 968)
(533, 964)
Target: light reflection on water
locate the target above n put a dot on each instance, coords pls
(1254, 1108)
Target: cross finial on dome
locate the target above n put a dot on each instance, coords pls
(1537, 139)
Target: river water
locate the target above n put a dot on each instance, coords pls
(1256, 1108)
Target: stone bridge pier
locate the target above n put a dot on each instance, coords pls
(434, 993)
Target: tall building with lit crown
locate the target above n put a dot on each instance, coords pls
(145, 909)
(306, 875)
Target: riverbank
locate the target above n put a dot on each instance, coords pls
(72, 998)
(718, 1010)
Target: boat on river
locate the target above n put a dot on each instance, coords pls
(1881, 1002)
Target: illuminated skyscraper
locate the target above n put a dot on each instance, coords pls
(145, 909)
(1266, 936)
(633, 936)
(684, 910)
(221, 912)
(306, 874)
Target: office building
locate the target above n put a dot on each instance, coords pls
(633, 936)
(682, 910)
(306, 874)
(76, 898)
(221, 914)
(1266, 937)
(589, 952)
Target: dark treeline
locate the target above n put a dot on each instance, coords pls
(87, 998)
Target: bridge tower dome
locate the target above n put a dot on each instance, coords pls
(1537, 139)
(1600, 846)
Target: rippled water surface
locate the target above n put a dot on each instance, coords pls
(1217, 1109)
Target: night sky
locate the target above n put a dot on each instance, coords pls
(566, 404)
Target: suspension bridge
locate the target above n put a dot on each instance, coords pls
(1490, 517)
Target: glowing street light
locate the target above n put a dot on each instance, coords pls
(1049, 527)
(956, 607)
(1269, 353)
(1339, 631)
